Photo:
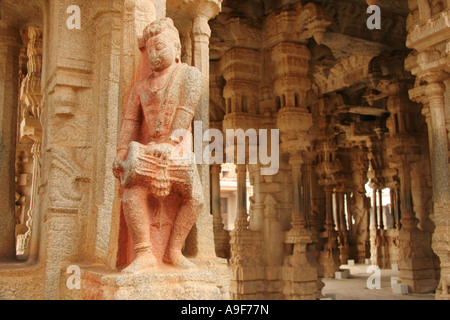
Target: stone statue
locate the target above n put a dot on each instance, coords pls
(162, 198)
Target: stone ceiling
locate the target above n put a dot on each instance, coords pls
(21, 13)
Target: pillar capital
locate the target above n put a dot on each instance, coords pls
(435, 90)
(197, 11)
(201, 26)
(296, 160)
(204, 8)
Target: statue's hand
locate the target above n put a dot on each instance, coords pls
(118, 163)
(162, 151)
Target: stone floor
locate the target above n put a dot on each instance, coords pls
(355, 287)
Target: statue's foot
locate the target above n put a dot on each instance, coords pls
(180, 261)
(141, 263)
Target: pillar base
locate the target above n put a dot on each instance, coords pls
(330, 262)
(345, 254)
(208, 282)
(417, 261)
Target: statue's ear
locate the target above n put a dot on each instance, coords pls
(141, 43)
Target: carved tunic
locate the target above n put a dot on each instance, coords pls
(157, 112)
(158, 109)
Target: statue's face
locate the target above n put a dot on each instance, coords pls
(161, 51)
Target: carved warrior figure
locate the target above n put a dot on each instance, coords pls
(162, 198)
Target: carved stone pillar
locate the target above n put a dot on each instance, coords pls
(299, 237)
(359, 206)
(393, 209)
(136, 15)
(298, 214)
(349, 213)
(381, 212)
(108, 36)
(67, 149)
(257, 205)
(23, 241)
(343, 232)
(416, 261)
(221, 236)
(329, 257)
(201, 12)
(441, 177)
(374, 232)
(31, 128)
(439, 146)
(374, 220)
(9, 92)
(246, 249)
(429, 63)
(242, 215)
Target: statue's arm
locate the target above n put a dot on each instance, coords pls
(190, 94)
(131, 121)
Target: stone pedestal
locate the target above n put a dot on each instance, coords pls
(299, 274)
(208, 282)
(416, 262)
(330, 261)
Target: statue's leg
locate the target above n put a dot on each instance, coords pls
(137, 215)
(184, 221)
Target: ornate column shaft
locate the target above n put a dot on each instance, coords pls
(374, 233)
(393, 209)
(349, 213)
(329, 257)
(380, 202)
(221, 236)
(343, 232)
(9, 92)
(336, 215)
(408, 219)
(441, 177)
(31, 128)
(108, 36)
(201, 13)
(374, 224)
(215, 195)
(23, 241)
(438, 145)
(136, 15)
(242, 216)
(329, 224)
(341, 207)
(257, 205)
(298, 213)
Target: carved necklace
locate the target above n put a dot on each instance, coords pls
(168, 76)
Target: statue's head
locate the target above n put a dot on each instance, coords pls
(162, 42)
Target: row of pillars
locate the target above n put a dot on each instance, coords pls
(378, 212)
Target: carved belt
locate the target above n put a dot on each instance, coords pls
(141, 169)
